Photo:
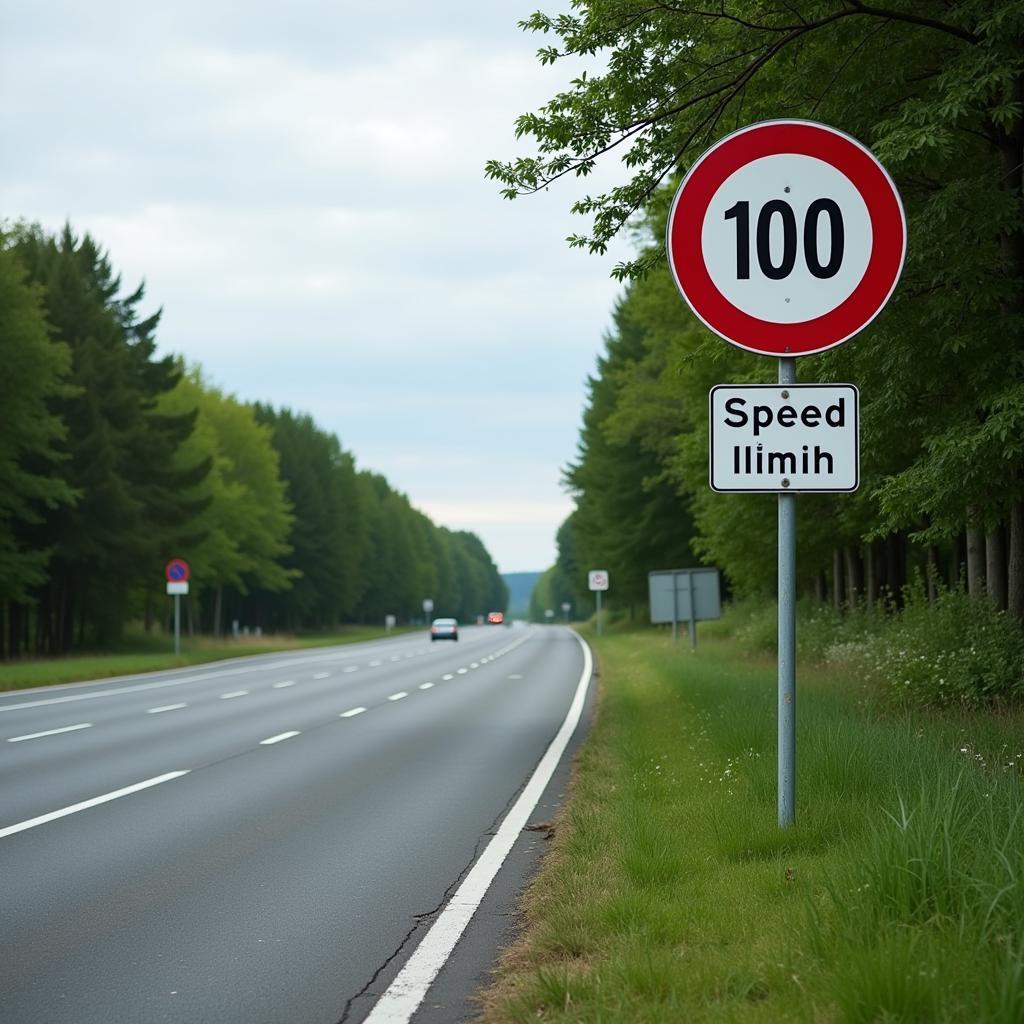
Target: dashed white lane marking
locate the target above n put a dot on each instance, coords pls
(399, 695)
(281, 686)
(426, 686)
(375, 664)
(395, 657)
(233, 694)
(49, 732)
(462, 671)
(404, 995)
(448, 676)
(351, 713)
(475, 664)
(10, 830)
(280, 736)
(351, 668)
(166, 707)
(321, 675)
(514, 677)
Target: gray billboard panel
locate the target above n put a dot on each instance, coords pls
(669, 593)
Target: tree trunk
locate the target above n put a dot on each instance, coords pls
(934, 574)
(854, 575)
(957, 557)
(894, 578)
(995, 566)
(975, 561)
(1015, 562)
(820, 587)
(870, 575)
(218, 608)
(837, 578)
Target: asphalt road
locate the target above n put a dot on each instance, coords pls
(260, 840)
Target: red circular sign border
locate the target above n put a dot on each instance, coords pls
(177, 561)
(866, 174)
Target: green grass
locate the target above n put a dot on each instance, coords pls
(150, 653)
(671, 894)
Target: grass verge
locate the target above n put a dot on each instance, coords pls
(671, 895)
(149, 654)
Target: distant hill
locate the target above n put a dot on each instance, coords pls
(520, 586)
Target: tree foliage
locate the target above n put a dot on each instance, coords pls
(114, 459)
(936, 89)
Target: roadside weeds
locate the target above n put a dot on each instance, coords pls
(669, 893)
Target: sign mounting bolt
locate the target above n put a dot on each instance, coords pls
(785, 481)
(785, 394)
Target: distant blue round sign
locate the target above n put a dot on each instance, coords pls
(177, 570)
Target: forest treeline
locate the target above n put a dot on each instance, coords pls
(936, 90)
(114, 459)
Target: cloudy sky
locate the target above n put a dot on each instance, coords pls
(301, 187)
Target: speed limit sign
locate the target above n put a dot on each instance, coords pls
(787, 238)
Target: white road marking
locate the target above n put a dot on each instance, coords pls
(351, 668)
(166, 707)
(280, 736)
(50, 732)
(399, 695)
(374, 664)
(462, 671)
(396, 657)
(475, 664)
(321, 675)
(513, 677)
(351, 713)
(404, 995)
(281, 686)
(448, 676)
(233, 694)
(426, 686)
(10, 830)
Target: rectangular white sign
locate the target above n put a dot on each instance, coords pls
(174, 587)
(597, 579)
(784, 437)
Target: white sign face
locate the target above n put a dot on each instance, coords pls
(597, 579)
(785, 437)
(786, 238)
(177, 587)
(428, 604)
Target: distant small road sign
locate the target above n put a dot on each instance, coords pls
(177, 571)
(787, 237)
(597, 579)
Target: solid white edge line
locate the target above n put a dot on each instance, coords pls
(49, 732)
(351, 713)
(280, 736)
(404, 995)
(10, 830)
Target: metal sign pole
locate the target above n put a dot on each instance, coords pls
(693, 614)
(675, 607)
(787, 640)
(598, 592)
(177, 624)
